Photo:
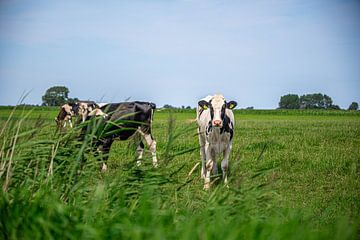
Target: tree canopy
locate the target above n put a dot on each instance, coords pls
(289, 101)
(307, 101)
(353, 106)
(57, 96)
(315, 101)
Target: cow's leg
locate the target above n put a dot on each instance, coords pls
(152, 147)
(70, 122)
(104, 149)
(225, 162)
(140, 152)
(202, 142)
(215, 167)
(151, 143)
(210, 160)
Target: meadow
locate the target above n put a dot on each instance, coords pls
(293, 175)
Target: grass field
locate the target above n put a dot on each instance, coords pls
(293, 175)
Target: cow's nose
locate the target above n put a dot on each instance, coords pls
(217, 122)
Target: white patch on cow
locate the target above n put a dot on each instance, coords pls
(217, 103)
(153, 153)
(101, 104)
(97, 112)
(140, 152)
(103, 167)
(67, 108)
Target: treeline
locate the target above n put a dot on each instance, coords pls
(58, 95)
(311, 101)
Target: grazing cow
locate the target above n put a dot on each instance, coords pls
(65, 116)
(215, 121)
(83, 108)
(122, 120)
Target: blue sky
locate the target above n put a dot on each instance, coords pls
(175, 52)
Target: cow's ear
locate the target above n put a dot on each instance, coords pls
(203, 104)
(231, 105)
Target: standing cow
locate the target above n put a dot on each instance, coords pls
(216, 122)
(121, 121)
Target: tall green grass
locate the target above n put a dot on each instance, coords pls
(52, 188)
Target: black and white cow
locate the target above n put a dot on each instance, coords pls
(64, 116)
(83, 108)
(215, 121)
(122, 120)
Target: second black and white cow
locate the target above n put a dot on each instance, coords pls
(83, 109)
(216, 122)
(123, 120)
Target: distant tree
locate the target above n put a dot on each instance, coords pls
(328, 103)
(289, 101)
(72, 100)
(334, 107)
(188, 107)
(168, 106)
(55, 96)
(250, 108)
(316, 101)
(353, 106)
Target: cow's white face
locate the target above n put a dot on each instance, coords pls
(217, 107)
(217, 110)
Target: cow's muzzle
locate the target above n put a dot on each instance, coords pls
(217, 123)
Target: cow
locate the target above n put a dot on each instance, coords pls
(65, 116)
(120, 122)
(216, 123)
(83, 108)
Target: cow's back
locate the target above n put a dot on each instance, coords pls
(135, 111)
(129, 116)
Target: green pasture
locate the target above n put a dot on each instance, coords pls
(293, 175)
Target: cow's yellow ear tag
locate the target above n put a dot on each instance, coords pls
(205, 107)
(231, 106)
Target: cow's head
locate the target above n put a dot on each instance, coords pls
(75, 108)
(217, 106)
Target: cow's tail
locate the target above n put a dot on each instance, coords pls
(153, 107)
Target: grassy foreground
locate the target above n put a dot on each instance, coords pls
(294, 175)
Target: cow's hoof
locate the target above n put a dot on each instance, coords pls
(138, 163)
